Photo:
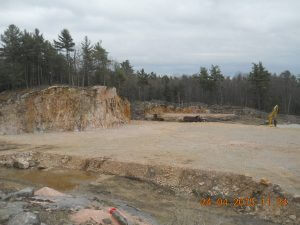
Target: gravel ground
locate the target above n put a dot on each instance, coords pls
(258, 151)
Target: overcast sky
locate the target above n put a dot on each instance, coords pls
(171, 36)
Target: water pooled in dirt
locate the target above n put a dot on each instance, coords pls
(62, 180)
(134, 196)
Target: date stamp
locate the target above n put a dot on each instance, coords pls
(243, 202)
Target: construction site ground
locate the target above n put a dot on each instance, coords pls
(256, 151)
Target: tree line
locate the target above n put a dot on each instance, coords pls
(28, 60)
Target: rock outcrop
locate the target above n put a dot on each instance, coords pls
(62, 108)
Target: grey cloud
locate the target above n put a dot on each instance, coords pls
(173, 36)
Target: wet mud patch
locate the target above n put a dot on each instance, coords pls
(62, 180)
(168, 193)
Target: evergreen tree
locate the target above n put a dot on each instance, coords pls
(142, 82)
(127, 68)
(260, 79)
(87, 60)
(204, 79)
(28, 60)
(65, 42)
(100, 56)
(11, 55)
(217, 78)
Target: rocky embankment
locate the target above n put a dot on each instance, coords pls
(61, 108)
(46, 206)
(166, 111)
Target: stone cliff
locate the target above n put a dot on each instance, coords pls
(61, 108)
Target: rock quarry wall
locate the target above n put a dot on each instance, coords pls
(62, 108)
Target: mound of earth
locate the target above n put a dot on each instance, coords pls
(61, 108)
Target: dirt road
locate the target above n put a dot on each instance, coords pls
(258, 151)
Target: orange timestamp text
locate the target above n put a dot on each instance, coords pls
(242, 202)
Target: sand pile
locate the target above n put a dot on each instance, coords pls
(48, 192)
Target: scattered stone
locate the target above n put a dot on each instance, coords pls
(277, 188)
(65, 159)
(296, 198)
(26, 192)
(26, 218)
(32, 163)
(277, 212)
(67, 202)
(42, 167)
(2, 195)
(21, 163)
(9, 164)
(107, 221)
(265, 182)
(292, 217)
(2, 163)
(8, 209)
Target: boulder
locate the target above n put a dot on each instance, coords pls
(21, 163)
(26, 192)
(25, 218)
(9, 209)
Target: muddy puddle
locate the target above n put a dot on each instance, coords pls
(162, 204)
(62, 180)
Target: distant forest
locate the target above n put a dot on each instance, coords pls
(28, 60)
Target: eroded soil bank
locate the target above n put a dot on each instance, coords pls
(133, 182)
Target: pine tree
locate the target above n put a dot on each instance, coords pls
(260, 79)
(87, 60)
(11, 54)
(65, 42)
(142, 82)
(100, 56)
(217, 78)
(204, 79)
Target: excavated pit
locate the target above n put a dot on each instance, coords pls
(187, 182)
(202, 160)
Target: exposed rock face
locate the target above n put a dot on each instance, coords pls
(61, 108)
(21, 164)
(26, 218)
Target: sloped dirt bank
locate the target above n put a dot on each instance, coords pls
(269, 202)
